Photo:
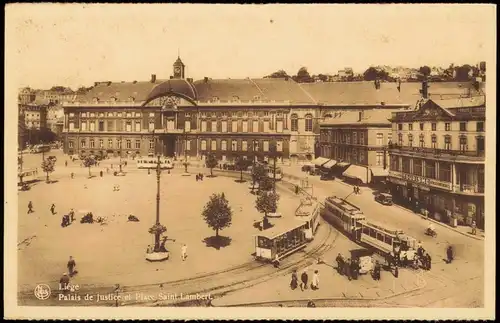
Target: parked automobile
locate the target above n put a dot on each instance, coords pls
(307, 168)
(327, 177)
(52, 158)
(384, 198)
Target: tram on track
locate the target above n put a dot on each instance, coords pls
(280, 241)
(151, 163)
(309, 212)
(380, 237)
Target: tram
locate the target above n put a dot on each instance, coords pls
(27, 175)
(279, 242)
(309, 212)
(151, 163)
(380, 237)
(343, 215)
(40, 149)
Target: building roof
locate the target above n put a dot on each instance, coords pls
(474, 101)
(279, 90)
(178, 86)
(375, 117)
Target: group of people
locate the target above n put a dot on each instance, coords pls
(349, 267)
(67, 219)
(64, 281)
(304, 279)
(424, 257)
(356, 190)
(199, 177)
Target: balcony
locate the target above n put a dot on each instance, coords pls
(468, 189)
(454, 155)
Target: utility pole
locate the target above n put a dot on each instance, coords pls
(121, 147)
(157, 234)
(274, 152)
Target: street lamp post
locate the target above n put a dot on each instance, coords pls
(157, 223)
(121, 147)
(185, 154)
(274, 152)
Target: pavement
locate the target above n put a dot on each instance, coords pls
(458, 283)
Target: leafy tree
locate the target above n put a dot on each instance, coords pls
(323, 77)
(211, 162)
(425, 70)
(48, 167)
(266, 184)
(217, 213)
(482, 67)
(258, 172)
(241, 165)
(303, 76)
(267, 202)
(372, 74)
(462, 73)
(89, 162)
(278, 74)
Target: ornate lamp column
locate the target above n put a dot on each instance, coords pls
(185, 155)
(274, 151)
(158, 252)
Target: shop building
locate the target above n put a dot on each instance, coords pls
(437, 159)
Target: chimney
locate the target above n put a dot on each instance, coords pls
(360, 117)
(190, 80)
(171, 77)
(153, 78)
(425, 89)
(205, 79)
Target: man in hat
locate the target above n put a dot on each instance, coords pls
(71, 266)
(30, 207)
(303, 280)
(53, 208)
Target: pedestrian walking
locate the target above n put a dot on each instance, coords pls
(294, 281)
(72, 215)
(315, 281)
(347, 269)
(72, 175)
(303, 280)
(30, 207)
(64, 282)
(53, 209)
(71, 266)
(428, 261)
(183, 252)
(66, 163)
(311, 304)
(354, 189)
(354, 269)
(101, 173)
(449, 254)
(473, 226)
(396, 272)
(340, 264)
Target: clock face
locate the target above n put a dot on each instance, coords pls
(177, 69)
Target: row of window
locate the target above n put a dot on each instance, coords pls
(294, 122)
(92, 142)
(447, 140)
(240, 114)
(222, 126)
(236, 145)
(426, 168)
(447, 126)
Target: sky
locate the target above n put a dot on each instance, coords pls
(76, 45)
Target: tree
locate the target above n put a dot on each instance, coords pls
(267, 202)
(323, 77)
(48, 167)
(425, 70)
(266, 184)
(482, 67)
(89, 162)
(278, 74)
(217, 213)
(371, 74)
(303, 76)
(258, 172)
(211, 162)
(241, 164)
(462, 73)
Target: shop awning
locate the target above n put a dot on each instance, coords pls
(342, 164)
(379, 172)
(329, 164)
(320, 161)
(356, 172)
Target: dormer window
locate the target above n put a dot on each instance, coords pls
(95, 100)
(236, 98)
(256, 98)
(113, 99)
(215, 99)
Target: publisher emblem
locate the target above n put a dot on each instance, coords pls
(42, 291)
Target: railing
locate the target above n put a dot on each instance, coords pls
(438, 152)
(467, 188)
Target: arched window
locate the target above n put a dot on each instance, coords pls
(294, 122)
(410, 140)
(309, 122)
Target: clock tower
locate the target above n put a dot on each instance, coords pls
(179, 69)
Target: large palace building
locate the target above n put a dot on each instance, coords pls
(226, 117)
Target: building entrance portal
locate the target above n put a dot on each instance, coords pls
(169, 142)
